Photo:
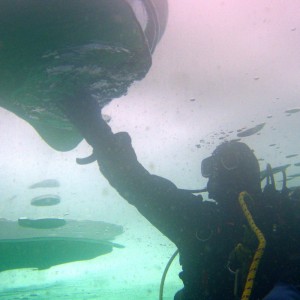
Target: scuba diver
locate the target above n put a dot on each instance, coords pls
(78, 55)
(243, 245)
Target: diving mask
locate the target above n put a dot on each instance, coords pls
(228, 161)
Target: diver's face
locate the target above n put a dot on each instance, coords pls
(219, 187)
(222, 177)
(223, 189)
(214, 188)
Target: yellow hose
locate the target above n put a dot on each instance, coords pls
(259, 251)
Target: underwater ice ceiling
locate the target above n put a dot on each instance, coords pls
(222, 67)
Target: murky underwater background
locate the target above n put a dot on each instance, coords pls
(221, 68)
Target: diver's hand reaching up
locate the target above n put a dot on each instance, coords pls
(85, 113)
(113, 150)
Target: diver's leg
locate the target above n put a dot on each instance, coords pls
(283, 291)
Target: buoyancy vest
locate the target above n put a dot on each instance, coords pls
(209, 272)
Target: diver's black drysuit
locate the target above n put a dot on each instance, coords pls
(204, 235)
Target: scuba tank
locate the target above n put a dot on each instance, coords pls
(51, 49)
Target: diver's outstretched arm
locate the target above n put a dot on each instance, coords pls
(157, 199)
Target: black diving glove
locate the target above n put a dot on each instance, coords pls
(85, 113)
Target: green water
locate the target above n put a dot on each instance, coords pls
(86, 291)
(198, 94)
